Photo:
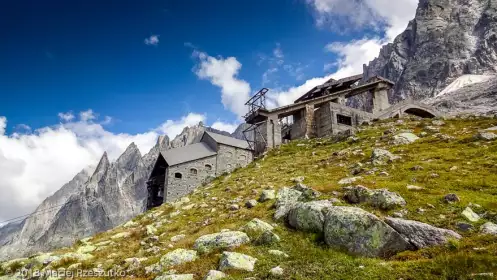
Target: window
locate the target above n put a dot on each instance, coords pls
(193, 171)
(242, 157)
(208, 167)
(341, 119)
(178, 175)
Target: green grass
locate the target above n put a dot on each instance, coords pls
(474, 181)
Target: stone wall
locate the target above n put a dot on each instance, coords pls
(176, 187)
(229, 158)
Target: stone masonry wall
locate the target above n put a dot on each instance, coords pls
(177, 188)
(230, 158)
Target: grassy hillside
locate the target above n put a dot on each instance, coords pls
(457, 164)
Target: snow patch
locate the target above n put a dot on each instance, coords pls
(463, 81)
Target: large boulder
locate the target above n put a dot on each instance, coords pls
(357, 194)
(421, 235)
(309, 216)
(285, 200)
(222, 240)
(404, 139)
(215, 275)
(306, 191)
(260, 232)
(232, 260)
(177, 257)
(361, 233)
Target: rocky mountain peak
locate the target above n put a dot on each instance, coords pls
(102, 167)
(446, 39)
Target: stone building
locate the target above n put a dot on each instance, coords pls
(179, 171)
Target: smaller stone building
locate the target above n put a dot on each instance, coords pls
(177, 172)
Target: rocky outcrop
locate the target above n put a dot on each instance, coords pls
(222, 240)
(309, 216)
(421, 235)
(446, 39)
(361, 233)
(237, 261)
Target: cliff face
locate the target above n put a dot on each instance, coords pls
(446, 39)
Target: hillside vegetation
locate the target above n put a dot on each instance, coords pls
(439, 163)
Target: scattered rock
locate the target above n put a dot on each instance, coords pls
(177, 257)
(404, 139)
(453, 168)
(309, 216)
(276, 271)
(86, 249)
(306, 191)
(223, 240)
(251, 203)
(155, 268)
(414, 188)
(299, 179)
(421, 235)
(432, 129)
(260, 232)
(417, 168)
(232, 260)
(438, 123)
(267, 195)
(175, 277)
(121, 235)
(234, 207)
(347, 181)
(361, 233)
(131, 224)
(278, 253)
(177, 238)
(470, 215)
(215, 275)
(285, 200)
(489, 228)
(451, 198)
(381, 198)
(486, 136)
(464, 227)
(384, 174)
(151, 230)
(380, 157)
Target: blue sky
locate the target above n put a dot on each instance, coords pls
(60, 56)
(78, 78)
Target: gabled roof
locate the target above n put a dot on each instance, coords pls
(330, 86)
(188, 153)
(228, 141)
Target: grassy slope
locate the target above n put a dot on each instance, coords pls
(475, 181)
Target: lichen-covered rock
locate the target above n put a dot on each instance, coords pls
(489, 228)
(347, 181)
(278, 253)
(251, 203)
(267, 195)
(177, 238)
(130, 224)
(256, 227)
(380, 157)
(361, 233)
(232, 260)
(175, 277)
(486, 136)
(215, 275)
(177, 257)
(421, 235)
(121, 235)
(309, 216)
(285, 200)
(357, 194)
(46, 259)
(267, 237)
(77, 256)
(306, 191)
(404, 139)
(386, 200)
(86, 249)
(222, 240)
(470, 215)
(382, 198)
(276, 271)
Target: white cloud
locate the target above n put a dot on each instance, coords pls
(285, 97)
(153, 40)
(392, 16)
(3, 125)
(33, 166)
(173, 128)
(223, 72)
(66, 116)
(87, 115)
(228, 127)
(277, 52)
(352, 55)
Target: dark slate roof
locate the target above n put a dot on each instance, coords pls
(228, 141)
(188, 153)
